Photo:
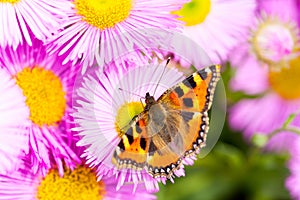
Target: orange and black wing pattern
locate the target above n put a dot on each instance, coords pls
(195, 93)
(133, 147)
(174, 128)
(187, 122)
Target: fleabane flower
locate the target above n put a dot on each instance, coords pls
(216, 26)
(274, 36)
(79, 183)
(13, 115)
(267, 65)
(18, 18)
(103, 30)
(104, 103)
(46, 87)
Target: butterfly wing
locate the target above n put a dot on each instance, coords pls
(195, 93)
(186, 124)
(133, 147)
(143, 139)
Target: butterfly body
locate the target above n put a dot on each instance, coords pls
(171, 128)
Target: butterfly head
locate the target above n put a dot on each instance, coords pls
(149, 101)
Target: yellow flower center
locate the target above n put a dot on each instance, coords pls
(194, 12)
(79, 184)
(103, 14)
(44, 94)
(286, 81)
(9, 1)
(125, 114)
(274, 41)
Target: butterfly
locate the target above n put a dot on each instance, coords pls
(171, 128)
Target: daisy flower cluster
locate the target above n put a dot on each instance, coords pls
(73, 72)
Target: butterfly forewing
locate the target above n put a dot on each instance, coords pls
(195, 93)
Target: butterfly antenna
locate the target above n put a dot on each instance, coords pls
(142, 103)
(132, 93)
(169, 58)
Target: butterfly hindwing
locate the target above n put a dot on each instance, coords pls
(167, 155)
(133, 147)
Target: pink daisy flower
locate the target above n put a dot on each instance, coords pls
(213, 26)
(79, 183)
(46, 88)
(18, 18)
(13, 113)
(268, 65)
(113, 28)
(293, 181)
(101, 110)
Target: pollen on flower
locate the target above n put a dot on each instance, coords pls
(285, 81)
(103, 13)
(9, 1)
(125, 114)
(194, 12)
(44, 94)
(80, 184)
(274, 41)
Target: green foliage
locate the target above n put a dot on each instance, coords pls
(228, 173)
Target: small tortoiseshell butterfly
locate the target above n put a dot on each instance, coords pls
(170, 128)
